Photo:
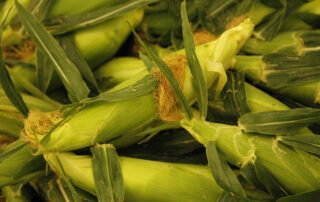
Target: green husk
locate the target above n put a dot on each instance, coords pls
(259, 101)
(310, 12)
(107, 173)
(11, 121)
(290, 43)
(18, 164)
(100, 42)
(293, 76)
(52, 188)
(118, 70)
(122, 68)
(240, 148)
(76, 6)
(158, 181)
(285, 122)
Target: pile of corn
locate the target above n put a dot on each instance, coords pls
(160, 100)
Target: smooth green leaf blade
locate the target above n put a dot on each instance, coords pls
(52, 189)
(234, 95)
(142, 87)
(40, 8)
(67, 43)
(216, 15)
(198, 80)
(282, 70)
(66, 180)
(85, 196)
(7, 83)
(269, 181)
(308, 143)
(168, 74)
(146, 61)
(12, 149)
(249, 173)
(270, 27)
(35, 165)
(279, 122)
(304, 197)
(33, 90)
(222, 172)
(66, 116)
(67, 71)
(218, 6)
(44, 71)
(107, 173)
(63, 24)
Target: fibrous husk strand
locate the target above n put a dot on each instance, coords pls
(235, 21)
(202, 36)
(39, 124)
(22, 51)
(168, 103)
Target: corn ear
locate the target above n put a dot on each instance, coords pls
(240, 148)
(158, 181)
(72, 7)
(118, 70)
(100, 42)
(295, 77)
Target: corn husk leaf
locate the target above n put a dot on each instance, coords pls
(282, 71)
(10, 125)
(64, 179)
(249, 173)
(35, 165)
(271, 25)
(147, 62)
(107, 173)
(221, 171)
(279, 122)
(44, 71)
(40, 8)
(52, 188)
(308, 143)
(234, 95)
(304, 197)
(216, 15)
(12, 149)
(7, 83)
(18, 164)
(63, 24)
(141, 87)
(168, 74)
(69, 111)
(269, 181)
(68, 73)
(68, 44)
(32, 89)
(198, 81)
